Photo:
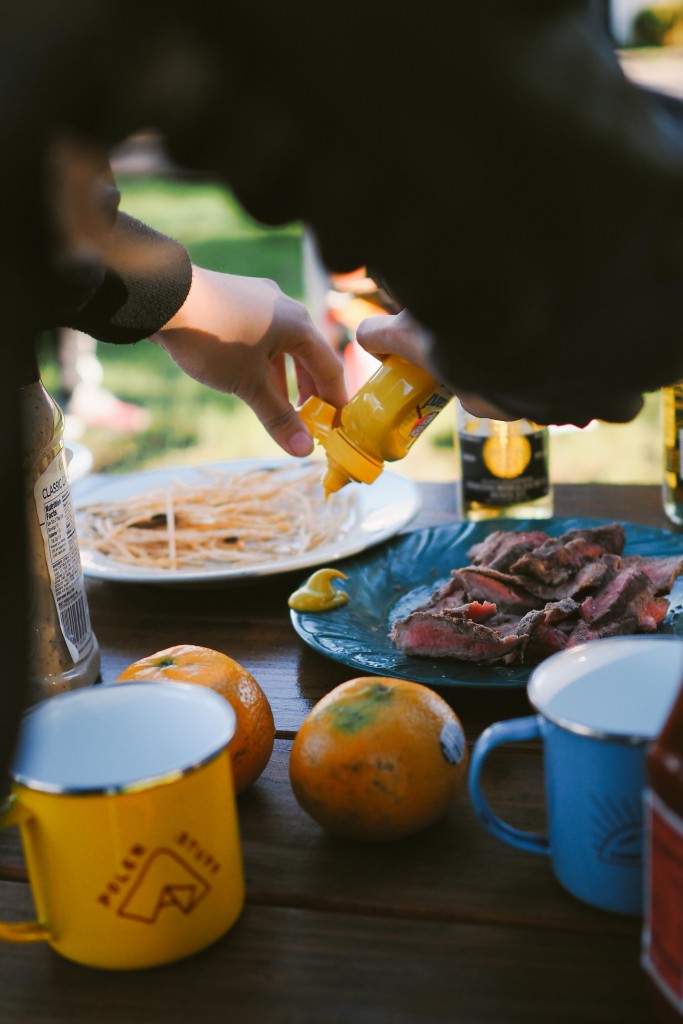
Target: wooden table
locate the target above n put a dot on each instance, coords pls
(451, 925)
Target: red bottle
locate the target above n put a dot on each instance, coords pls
(662, 939)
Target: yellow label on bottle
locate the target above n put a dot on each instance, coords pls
(508, 456)
(429, 410)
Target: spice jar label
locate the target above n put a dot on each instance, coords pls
(55, 511)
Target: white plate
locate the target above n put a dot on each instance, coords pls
(383, 508)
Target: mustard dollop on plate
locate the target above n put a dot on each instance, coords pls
(317, 594)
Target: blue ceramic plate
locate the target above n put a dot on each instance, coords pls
(388, 582)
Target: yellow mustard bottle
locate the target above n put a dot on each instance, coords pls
(379, 424)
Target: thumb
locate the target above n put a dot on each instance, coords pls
(373, 332)
(282, 423)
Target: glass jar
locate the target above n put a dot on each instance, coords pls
(504, 468)
(63, 651)
(672, 431)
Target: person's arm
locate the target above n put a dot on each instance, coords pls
(105, 273)
(120, 281)
(233, 333)
(146, 277)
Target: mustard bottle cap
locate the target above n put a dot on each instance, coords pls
(345, 462)
(318, 417)
(344, 459)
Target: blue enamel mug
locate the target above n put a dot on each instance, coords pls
(598, 706)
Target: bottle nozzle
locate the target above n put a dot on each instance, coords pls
(334, 478)
(345, 462)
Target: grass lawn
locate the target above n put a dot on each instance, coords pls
(191, 423)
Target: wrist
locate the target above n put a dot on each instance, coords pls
(183, 315)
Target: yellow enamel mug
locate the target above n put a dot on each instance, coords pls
(126, 806)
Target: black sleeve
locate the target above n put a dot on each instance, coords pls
(525, 204)
(146, 281)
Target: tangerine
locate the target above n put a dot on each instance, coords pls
(252, 744)
(378, 759)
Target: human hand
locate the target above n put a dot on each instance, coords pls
(399, 334)
(233, 334)
(395, 334)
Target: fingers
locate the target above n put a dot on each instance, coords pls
(375, 333)
(237, 339)
(281, 421)
(396, 334)
(277, 371)
(304, 382)
(480, 407)
(319, 370)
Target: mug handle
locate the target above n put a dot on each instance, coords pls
(513, 731)
(12, 813)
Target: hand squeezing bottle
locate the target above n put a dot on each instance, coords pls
(379, 424)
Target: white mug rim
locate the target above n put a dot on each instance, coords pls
(172, 773)
(581, 729)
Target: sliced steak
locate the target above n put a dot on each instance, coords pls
(527, 595)
(662, 570)
(560, 611)
(449, 635)
(630, 596)
(583, 632)
(544, 638)
(450, 594)
(490, 585)
(589, 577)
(503, 547)
(560, 558)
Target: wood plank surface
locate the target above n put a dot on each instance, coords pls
(634, 503)
(454, 871)
(451, 925)
(283, 965)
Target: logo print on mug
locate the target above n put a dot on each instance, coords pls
(153, 892)
(618, 832)
(163, 879)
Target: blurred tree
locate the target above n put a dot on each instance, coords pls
(659, 25)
